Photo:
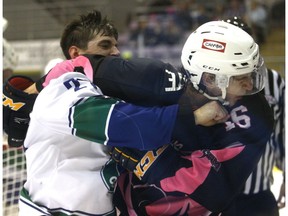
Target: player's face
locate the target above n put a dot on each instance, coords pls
(240, 85)
(102, 45)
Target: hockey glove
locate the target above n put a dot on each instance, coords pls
(17, 106)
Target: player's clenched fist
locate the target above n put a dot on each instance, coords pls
(210, 113)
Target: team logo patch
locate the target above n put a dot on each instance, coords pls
(147, 161)
(8, 102)
(214, 45)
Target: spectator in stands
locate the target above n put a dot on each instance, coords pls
(277, 13)
(182, 16)
(257, 17)
(147, 31)
(234, 8)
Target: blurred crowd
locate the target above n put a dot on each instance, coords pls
(164, 22)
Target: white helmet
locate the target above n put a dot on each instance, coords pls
(10, 58)
(224, 50)
(4, 24)
(52, 63)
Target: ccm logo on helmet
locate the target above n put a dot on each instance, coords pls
(213, 45)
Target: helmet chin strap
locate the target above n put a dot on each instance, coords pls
(220, 99)
(223, 90)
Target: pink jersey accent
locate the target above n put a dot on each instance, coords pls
(68, 66)
(167, 205)
(198, 172)
(126, 193)
(171, 205)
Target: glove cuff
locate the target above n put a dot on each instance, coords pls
(16, 85)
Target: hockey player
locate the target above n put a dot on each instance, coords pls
(141, 81)
(69, 170)
(72, 123)
(257, 197)
(89, 34)
(92, 34)
(205, 176)
(111, 62)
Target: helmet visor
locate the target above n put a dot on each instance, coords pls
(221, 85)
(249, 83)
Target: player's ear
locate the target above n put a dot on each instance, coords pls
(73, 52)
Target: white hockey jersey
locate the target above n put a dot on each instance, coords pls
(69, 171)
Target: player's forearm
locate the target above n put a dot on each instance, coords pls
(141, 81)
(121, 124)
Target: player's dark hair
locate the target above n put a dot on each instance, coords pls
(239, 22)
(80, 31)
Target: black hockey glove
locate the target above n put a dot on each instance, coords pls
(17, 106)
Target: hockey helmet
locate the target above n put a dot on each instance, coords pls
(224, 51)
